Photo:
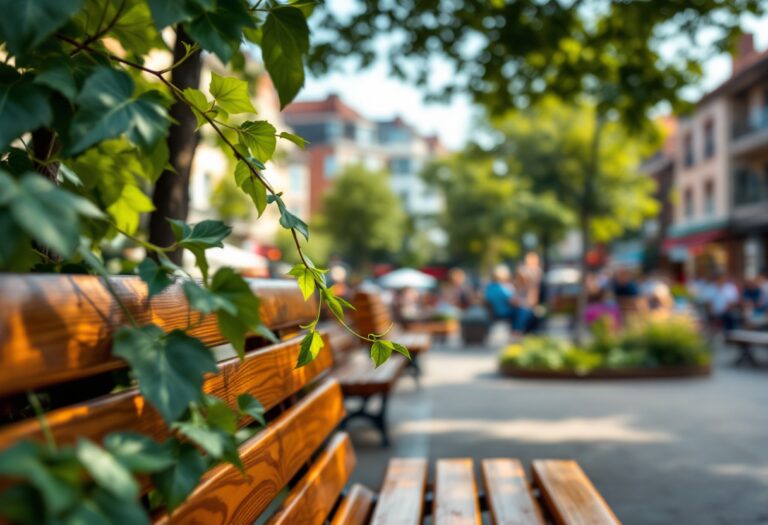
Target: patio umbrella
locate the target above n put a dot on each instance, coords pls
(407, 278)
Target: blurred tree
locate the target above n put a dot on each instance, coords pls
(230, 202)
(363, 216)
(479, 215)
(319, 248)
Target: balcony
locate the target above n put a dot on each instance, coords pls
(750, 133)
(750, 199)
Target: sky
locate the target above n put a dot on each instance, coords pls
(378, 95)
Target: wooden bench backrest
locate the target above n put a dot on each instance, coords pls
(371, 315)
(55, 335)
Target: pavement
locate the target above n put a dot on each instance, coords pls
(670, 451)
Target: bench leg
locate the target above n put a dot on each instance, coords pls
(745, 356)
(414, 367)
(378, 418)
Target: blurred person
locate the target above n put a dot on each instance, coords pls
(407, 305)
(657, 294)
(523, 318)
(455, 291)
(627, 293)
(722, 300)
(754, 299)
(601, 305)
(531, 270)
(499, 294)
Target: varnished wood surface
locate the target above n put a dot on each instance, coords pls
(356, 507)
(358, 376)
(268, 374)
(270, 460)
(59, 327)
(401, 498)
(372, 316)
(310, 502)
(455, 493)
(569, 494)
(509, 497)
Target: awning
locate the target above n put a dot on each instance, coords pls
(694, 240)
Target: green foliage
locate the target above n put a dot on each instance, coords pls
(362, 227)
(284, 43)
(231, 94)
(659, 343)
(260, 138)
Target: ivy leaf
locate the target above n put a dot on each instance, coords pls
(310, 347)
(285, 40)
(24, 105)
(177, 482)
(126, 210)
(251, 185)
(198, 99)
(107, 110)
(168, 12)
(234, 327)
(212, 440)
(381, 350)
(287, 219)
(249, 405)
(169, 368)
(198, 238)
(25, 460)
(220, 415)
(231, 94)
(24, 25)
(205, 301)
(259, 137)
(48, 214)
(220, 30)
(157, 277)
(115, 510)
(305, 278)
(138, 452)
(299, 141)
(106, 471)
(333, 303)
(135, 31)
(401, 350)
(59, 77)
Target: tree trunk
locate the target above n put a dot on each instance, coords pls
(585, 217)
(171, 194)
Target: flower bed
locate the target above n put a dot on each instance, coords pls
(663, 348)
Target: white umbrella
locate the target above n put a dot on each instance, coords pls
(233, 257)
(407, 278)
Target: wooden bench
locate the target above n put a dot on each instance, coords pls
(362, 382)
(746, 341)
(55, 337)
(372, 316)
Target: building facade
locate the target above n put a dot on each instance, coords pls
(720, 219)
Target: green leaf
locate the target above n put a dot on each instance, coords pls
(135, 31)
(59, 77)
(48, 214)
(25, 460)
(231, 286)
(26, 24)
(310, 347)
(169, 368)
(106, 471)
(220, 30)
(117, 510)
(305, 278)
(198, 99)
(24, 106)
(401, 350)
(138, 452)
(285, 41)
(249, 405)
(128, 207)
(259, 137)
(381, 351)
(299, 141)
(251, 185)
(177, 482)
(212, 440)
(168, 12)
(205, 301)
(220, 415)
(198, 238)
(157, 277)
(231, 94)
(22, 504)
(107, 110)
(333, 303)
(287, 219)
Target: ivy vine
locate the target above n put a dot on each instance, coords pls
(84, 122)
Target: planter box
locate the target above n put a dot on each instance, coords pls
(608, 373)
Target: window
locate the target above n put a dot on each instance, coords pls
(709, 198)
(400, 165)
(330, 166)
(709, 139)
(688, 150)
(688, 203)
(296, 176)
(334, 130)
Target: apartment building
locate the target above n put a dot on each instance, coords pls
(720, 174)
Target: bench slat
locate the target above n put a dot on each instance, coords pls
(456, 493)
(510, 501)
(310, 502)
(569, 494)
(268, 374)
(270, 460)
(57, 328)
(356, 507)
(358, 377)
(401, 501)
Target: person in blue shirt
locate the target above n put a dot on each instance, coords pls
(499, 294)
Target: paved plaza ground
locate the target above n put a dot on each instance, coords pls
(691, 451)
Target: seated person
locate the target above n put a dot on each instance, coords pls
(499, 294)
